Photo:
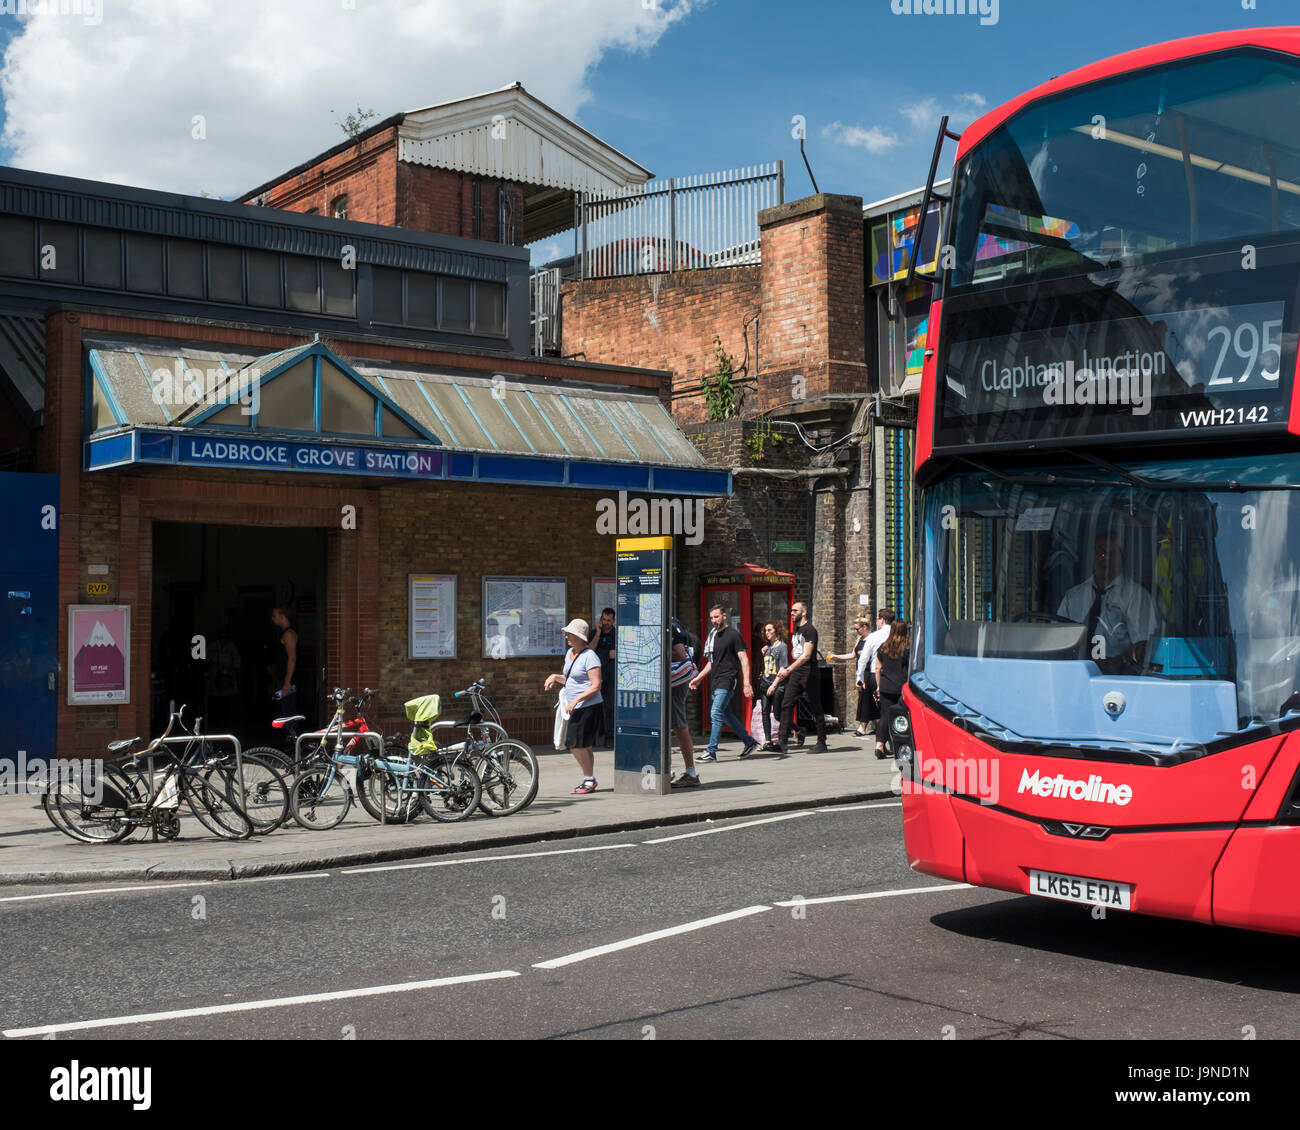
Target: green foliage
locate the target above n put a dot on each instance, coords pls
(721, 396)
(764, 437)
(353, 124)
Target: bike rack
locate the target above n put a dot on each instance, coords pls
(187, 739)
(367, 735)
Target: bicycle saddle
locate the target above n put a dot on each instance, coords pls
(281, 723)
(125, 743)
(473, 720)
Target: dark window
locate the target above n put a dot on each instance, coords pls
(489, 308)
(225, 274)
(304, 287)
(59, 253)
(17, 241)
(421, 300)
(455, 304)
(388, 295)
(104, 258)
(184, 268)
(264, 279)
(144, 263)
(339, 295)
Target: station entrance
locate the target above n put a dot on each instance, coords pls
(220, 583)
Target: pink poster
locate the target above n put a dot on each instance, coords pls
(99, 651)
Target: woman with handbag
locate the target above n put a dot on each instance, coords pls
(579, 710)
(776, 654)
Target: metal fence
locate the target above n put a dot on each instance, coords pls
(709, 220)
(545, 300)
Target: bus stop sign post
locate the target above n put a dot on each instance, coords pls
(642, 661)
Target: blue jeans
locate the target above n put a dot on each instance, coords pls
(720, 712)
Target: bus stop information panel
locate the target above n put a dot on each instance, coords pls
(641, 658)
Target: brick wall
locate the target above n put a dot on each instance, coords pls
(380, 189)
(811, 336)
(365, 172)
(665, 321)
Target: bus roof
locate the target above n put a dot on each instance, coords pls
(1285, 39)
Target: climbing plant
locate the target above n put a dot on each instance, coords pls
(721, 396)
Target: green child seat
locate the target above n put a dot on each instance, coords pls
(423, 712)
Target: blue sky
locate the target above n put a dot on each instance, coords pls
(717, 88)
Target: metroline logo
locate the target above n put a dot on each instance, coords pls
(1094, 788)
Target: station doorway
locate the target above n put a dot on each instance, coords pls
(221, 583)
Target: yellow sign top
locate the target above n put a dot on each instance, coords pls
(623, 544)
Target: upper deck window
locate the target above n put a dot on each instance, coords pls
(1194, 154)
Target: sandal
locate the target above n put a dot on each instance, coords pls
(585, 787)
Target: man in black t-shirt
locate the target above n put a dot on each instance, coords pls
(602, 643)
(726, 661)
(801, 677)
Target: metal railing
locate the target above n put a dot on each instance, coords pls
(710, 220)
(544, 291)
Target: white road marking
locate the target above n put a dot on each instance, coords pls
(729, 827)
(163, 886)
(249, 1006)
(877, 895)
(642, 939)
(479, 859)
(859, 807)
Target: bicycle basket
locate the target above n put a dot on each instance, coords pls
(424, 709)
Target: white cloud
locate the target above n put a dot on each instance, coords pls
(116, 101)
(961, 110)
(873, 139)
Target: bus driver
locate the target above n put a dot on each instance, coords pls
(1119, 613)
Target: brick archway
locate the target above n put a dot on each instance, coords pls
(351, 573)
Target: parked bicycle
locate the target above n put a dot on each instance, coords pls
(389, 786)
(507, 767)
(131, 794)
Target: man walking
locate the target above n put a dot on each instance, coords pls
(866, 673)
(602, 642)
(727, 658)
(800, 677)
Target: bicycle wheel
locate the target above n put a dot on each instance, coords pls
(381, 797)
(210, 793)
(458, 789)
(280, 761)
(487, 733)
(266, 793)
(76, 812)
(509, 774)
(320, 798)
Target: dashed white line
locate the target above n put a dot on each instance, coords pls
(729, 827)
(250, 1006)
(642, 939)
(479, 859)
(877, 895)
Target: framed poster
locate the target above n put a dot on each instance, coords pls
(99, 654)
(523, 616)
(604, 594)
(431, 604)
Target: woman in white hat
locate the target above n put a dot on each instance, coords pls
(580, 698)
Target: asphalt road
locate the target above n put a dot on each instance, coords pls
(921, 959)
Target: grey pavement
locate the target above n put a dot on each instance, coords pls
(32, 850)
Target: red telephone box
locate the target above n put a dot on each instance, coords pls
(750, 596)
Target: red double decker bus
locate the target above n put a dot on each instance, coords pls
(1104, 698)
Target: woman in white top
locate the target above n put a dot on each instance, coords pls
(580, 696)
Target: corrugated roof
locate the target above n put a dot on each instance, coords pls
(498, 414)
(22, 364)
